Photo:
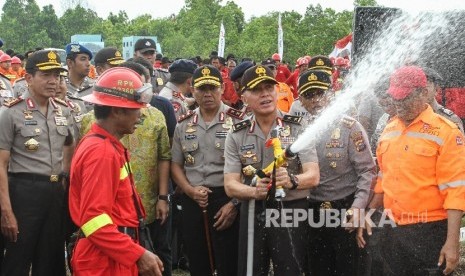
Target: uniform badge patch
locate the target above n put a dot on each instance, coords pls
(459, 141)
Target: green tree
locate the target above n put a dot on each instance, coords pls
(79, 21)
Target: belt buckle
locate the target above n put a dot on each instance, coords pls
(326, 205)
(54, 178)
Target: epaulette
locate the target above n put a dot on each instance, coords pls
(448, 121)
(72, 97)
(19, 80)
(85, 88)
(178, 95)
(185, 116)
(60, 101)
(235, 113)
(292, 119)
(446, 111)
(241, 125)
(12, 101)
(348, 121)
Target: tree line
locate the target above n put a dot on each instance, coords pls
(193, 31)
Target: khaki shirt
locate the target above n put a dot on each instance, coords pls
(245, 146)
(346, 163)
(85, 89)
(35, 141)
(200, 148)
(6, 91)
(78, 109)
(177, 99)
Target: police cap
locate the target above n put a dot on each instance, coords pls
(110, 55)
(313, 79)
(44, 60)
(76, 48)
(207, 74)
(256, 75)
(183, 65)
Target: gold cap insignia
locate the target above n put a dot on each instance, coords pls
(260, 71)
(206, 71)
(52, 56)
(320, 62)
(312, 77)
(117, 54)
(75, 48)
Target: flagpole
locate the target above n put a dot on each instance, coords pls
(280, 38)
(221, 40)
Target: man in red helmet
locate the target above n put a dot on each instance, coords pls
(103, 201)
(283, 72)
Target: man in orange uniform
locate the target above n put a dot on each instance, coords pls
(16, 67)
(421, 157)
(5, 68)
(102, 197)
(285, 96)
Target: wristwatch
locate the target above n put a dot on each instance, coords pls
(167, 197)
(236, 203)
(294, 182)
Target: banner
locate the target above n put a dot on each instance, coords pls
(221, 41)
(280, 38)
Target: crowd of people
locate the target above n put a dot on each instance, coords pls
(139, 166)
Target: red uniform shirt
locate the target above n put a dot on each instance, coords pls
(283, 73)
(229, 96)
(292, 81)
(100, 185)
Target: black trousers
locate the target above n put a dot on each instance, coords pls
(161, 237)
(224, 243)
(332, 250)
(284, 246)
(413, 250)
(37, 206)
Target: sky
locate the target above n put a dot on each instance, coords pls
(164, 8)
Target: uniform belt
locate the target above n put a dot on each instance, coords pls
(130, 231)
(38, 177)
(343, 203)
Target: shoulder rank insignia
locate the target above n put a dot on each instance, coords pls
(74, 97)
(11, 102)
(179, 95)
(235, 113)
(292, 119)
(446, 111)
(241, 125)
(60, 101)
(185, 116)
(84, 88)
(348, 121)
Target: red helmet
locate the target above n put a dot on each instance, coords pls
(4, 58)
(120, 87)
(15, 60)
(302, 61)
(340, 61)
(276, 56)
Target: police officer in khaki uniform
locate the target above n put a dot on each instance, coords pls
(19, 87)
(245, 152)
(78, 60)
(179, 86)
(433, 81)
(197, 167)
(347, 170)
(36, 145)
(76, 105)
(6, 91)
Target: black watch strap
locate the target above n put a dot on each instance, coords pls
(165, 197)
(294, 182)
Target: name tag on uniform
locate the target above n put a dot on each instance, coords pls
(221, 134)
(61, 121)
(30, 123)
(190, 136)
(247, 147)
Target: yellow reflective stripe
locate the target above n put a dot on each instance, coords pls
(95, 224)
(124, 172)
